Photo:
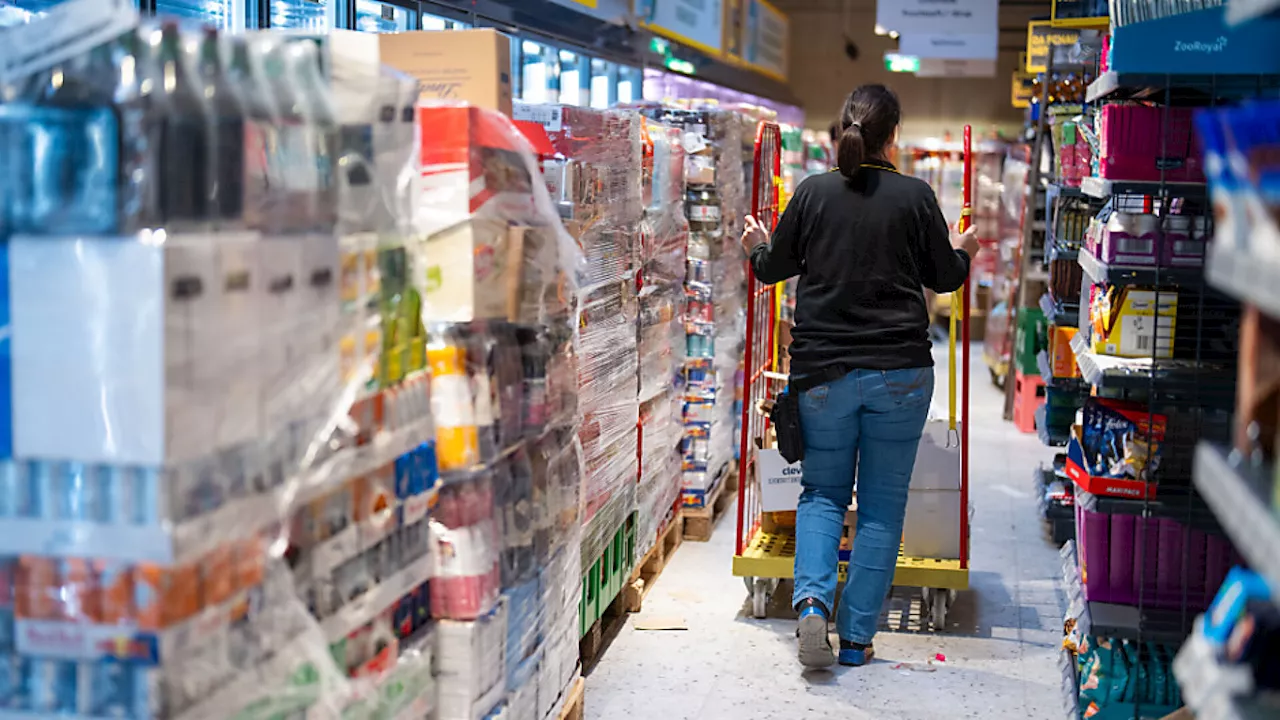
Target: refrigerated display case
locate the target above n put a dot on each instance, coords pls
(300, 14)
(222, 14)
(435, 22)
(539, 73)
(574, 76)
(381, 17)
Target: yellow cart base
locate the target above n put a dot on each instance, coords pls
(771, 556)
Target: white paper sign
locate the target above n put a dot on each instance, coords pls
(939, 17)
(779, 482)
(939, 68)
(950, 46)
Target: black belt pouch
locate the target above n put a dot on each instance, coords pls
(786, 422)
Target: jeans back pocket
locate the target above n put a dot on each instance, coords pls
(909, 386)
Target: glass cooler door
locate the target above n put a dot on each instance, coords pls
(300, 14)
(381, 17)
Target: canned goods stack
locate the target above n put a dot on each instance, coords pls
(665, 233)
(593, 167)
(290, 437)
(714, 289)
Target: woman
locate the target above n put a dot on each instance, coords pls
(865, 241)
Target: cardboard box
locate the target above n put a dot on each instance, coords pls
(463, 66)
(1128, 322)
(779, 482)
(471, 272)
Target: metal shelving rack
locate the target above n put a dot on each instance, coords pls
(1203, 377)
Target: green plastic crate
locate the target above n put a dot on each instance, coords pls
(607, 575)
(1032, 336)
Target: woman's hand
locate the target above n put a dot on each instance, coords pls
(968, 242)
(753, 234)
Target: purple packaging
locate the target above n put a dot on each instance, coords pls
(1217, 563)
(1095, 556)
(1169, 577)
(1197, 587)
(1123, 531)
(1146, 558)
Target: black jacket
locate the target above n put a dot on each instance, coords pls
(864, 250)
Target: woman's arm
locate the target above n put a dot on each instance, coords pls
(778, 259)
(943, 268)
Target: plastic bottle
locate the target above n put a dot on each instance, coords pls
(186, 146)
(245, 78)
(227, 159)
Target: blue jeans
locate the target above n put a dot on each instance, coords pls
(866, 423)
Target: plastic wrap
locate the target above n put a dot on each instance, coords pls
(592, 168)
(665, 232)
(261, 467)
(715, 287)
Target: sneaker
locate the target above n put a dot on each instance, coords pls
(855, 654)
(815, 645)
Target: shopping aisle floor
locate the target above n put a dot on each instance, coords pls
(1001, 651)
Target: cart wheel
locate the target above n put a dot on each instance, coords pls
(760, 598)
(750, 582)
(996, 378)
(937, 602)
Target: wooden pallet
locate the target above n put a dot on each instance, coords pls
(574, 700)
(602, 632)
(652, 564)
(699, 523)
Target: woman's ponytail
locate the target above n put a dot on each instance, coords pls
(852, 151)
(868, 121)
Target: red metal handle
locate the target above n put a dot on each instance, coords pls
(965, 221)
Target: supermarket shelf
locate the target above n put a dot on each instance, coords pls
(1070, 684)
(1182, 89)
(1119, 621)
(1058, 253)
(1049, 436)
(1103, 188)
(1101, 272)
(1165, 376)
(1062, 190)
(1061, 314)
(1053, 381)
(1172, 502)
(1246, 276)
(1240, 498)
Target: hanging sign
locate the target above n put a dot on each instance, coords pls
(1042, 35)
(734, 29)
(945, 68)
(939, 17)
(950, 46)
(614, 11)
(696, 23)
(767, 30)
(1023, 88)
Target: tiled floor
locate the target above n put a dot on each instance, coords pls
(1000, 651)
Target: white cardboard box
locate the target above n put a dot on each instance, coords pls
(779, 482)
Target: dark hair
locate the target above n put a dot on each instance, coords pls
(870, 115)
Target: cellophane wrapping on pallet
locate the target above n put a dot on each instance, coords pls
(593, 173)
(715, 204)
(500, 273)
(255, 471)
(665, 232)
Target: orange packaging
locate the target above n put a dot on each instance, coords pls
(165, 596)
(375, 494)
(249, 563)
(1063, 360)
(368, 415)
(36, 585)
(115, 591)
(218, 576)
(78, 596)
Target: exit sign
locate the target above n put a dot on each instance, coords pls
(893, 62)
